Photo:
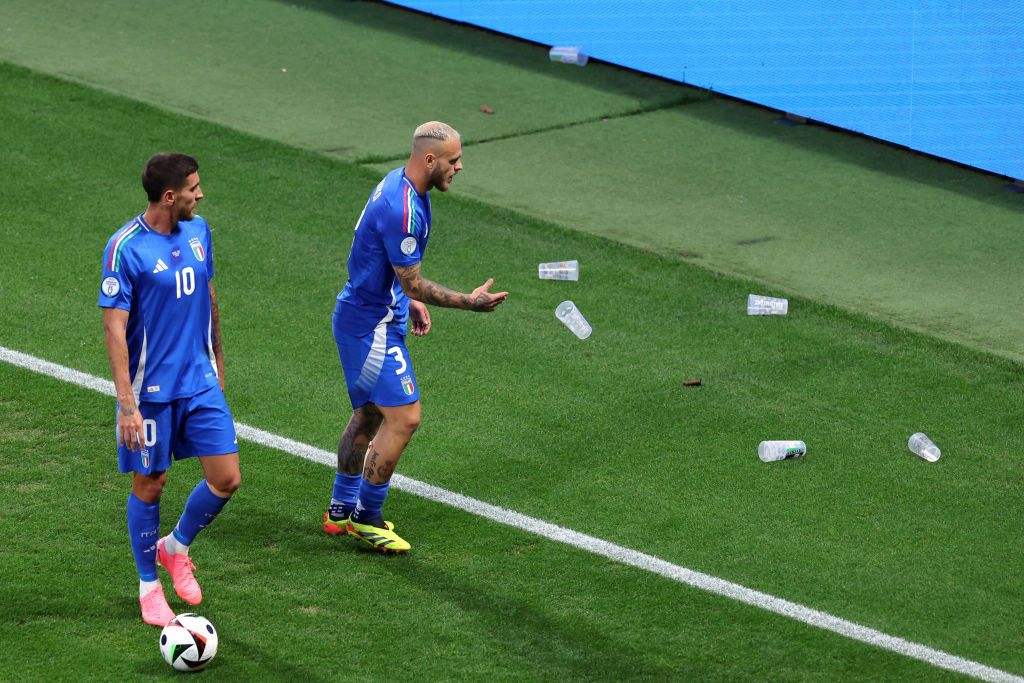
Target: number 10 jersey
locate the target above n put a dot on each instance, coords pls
(163, 283)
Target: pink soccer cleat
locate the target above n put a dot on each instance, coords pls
(155, 610)
(180, 567)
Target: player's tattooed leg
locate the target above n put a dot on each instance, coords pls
(356, 438)
(370, 463)
(377, 468)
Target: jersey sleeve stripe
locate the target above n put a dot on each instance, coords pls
(115, 249)
(410, 213)
(404, 209)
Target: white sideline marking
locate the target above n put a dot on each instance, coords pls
(590, 544)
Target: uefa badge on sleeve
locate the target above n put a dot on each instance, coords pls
(110, 286)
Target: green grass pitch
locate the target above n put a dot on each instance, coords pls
(598, 436)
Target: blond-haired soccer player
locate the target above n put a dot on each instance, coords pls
(384, 297)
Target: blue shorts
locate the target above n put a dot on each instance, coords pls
(377, 367)
(185, 427)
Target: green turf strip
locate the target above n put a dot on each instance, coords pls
(834, 218)
(349, 78)
(815, 213)
(598, 436)
(475, 600)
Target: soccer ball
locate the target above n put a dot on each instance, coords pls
(188, 642)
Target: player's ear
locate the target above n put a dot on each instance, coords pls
(168, 196)
(430, 158)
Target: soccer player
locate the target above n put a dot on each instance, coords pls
(162, 332)
(385, 292)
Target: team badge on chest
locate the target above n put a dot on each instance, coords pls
(197, 248)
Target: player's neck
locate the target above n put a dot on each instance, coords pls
(418, 175)
(159, 219)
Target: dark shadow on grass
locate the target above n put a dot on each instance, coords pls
(651, 93)
(420, 27)
(572, 650)
(257, 659)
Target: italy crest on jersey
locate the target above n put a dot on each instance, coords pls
(197, 248)
(407, 386)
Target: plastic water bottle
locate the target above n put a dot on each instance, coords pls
(568, 55)
(559, 270)
(921, 445)
(573, 319)
(769, 451)
(766, 305)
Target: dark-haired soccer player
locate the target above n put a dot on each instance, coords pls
(162, 333)
(385, 291)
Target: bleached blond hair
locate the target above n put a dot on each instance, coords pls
(432, 133)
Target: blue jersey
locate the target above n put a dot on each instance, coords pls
(163, 283)
(392, 231)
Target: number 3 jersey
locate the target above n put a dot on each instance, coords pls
(163, 283)
(392, 231)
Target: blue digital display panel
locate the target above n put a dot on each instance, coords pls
(944, 77)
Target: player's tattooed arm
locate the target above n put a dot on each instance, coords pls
(218, 350)
(427, 291)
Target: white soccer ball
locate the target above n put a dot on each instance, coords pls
(188, 642)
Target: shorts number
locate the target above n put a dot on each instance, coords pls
(186, 280)
(396, 351)
(149, 431)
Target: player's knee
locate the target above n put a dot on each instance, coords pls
(367, 421)
(225, 484)
(149, 488)
(403, 420)
(410, 422)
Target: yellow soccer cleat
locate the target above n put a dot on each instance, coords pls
(383, 539)
(339, 527)
(335, 527)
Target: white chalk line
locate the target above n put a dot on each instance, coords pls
(590, 544)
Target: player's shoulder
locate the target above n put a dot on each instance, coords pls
(400, 192)
(122, 246)
(394, 186)
(197, 224)
(126, 231)
(386, 198)
(125, 239)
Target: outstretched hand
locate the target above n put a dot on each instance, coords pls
(483, 301)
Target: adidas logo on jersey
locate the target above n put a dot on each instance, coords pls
(160, 266)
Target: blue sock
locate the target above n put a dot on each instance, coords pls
(144, 532)
(200, 509)
(371, 500)
(346, 490)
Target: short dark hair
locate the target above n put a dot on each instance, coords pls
(167, 171)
